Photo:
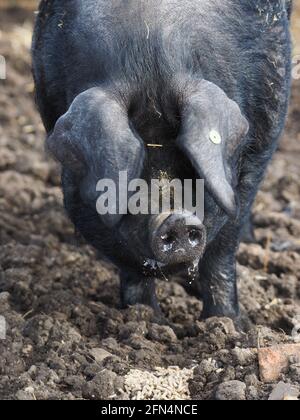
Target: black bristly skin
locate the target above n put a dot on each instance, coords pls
(164, 72)
(247, 233)
(289, 5)
(136, 289)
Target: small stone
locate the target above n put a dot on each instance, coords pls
(100, 354)
(274, 361)
(295, 372)
(244, 357)
(206, 367)
(41, 170)
(7, 159)
(27, 350)
(4, 302)
(75, 382)
(138, 328)
(284, 392)
(162, 334)
(29, 390)
(4, 297)
(252, 393)
(232, 390)
(22, 395)
(229, 374)
(224, 324)
(252, 380)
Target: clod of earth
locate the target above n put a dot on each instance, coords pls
(231, 390)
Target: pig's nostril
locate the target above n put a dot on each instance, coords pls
(195, 237)
(169, 238)
(168, 241)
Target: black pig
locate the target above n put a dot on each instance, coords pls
(113, 76)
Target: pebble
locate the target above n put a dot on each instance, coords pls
(284, 392)
(275, 360)
(100, 354)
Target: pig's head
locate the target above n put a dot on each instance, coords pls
(96, 140)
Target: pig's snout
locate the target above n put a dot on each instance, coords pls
(177, 238)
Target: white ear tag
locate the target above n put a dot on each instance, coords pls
(215, 137)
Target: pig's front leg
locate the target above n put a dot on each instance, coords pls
(247, 232)
(218, 276)
(137, 289)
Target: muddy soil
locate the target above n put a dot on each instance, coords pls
(67, 338)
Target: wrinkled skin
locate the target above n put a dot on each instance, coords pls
(113, 76)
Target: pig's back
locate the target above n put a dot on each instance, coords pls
(141, 44)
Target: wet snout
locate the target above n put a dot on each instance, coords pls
(177, 238)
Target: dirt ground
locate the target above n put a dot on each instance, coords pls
(66, 336)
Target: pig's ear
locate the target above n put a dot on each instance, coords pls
(212, 131)
(94, 141)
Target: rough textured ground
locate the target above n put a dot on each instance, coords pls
(67, 338)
